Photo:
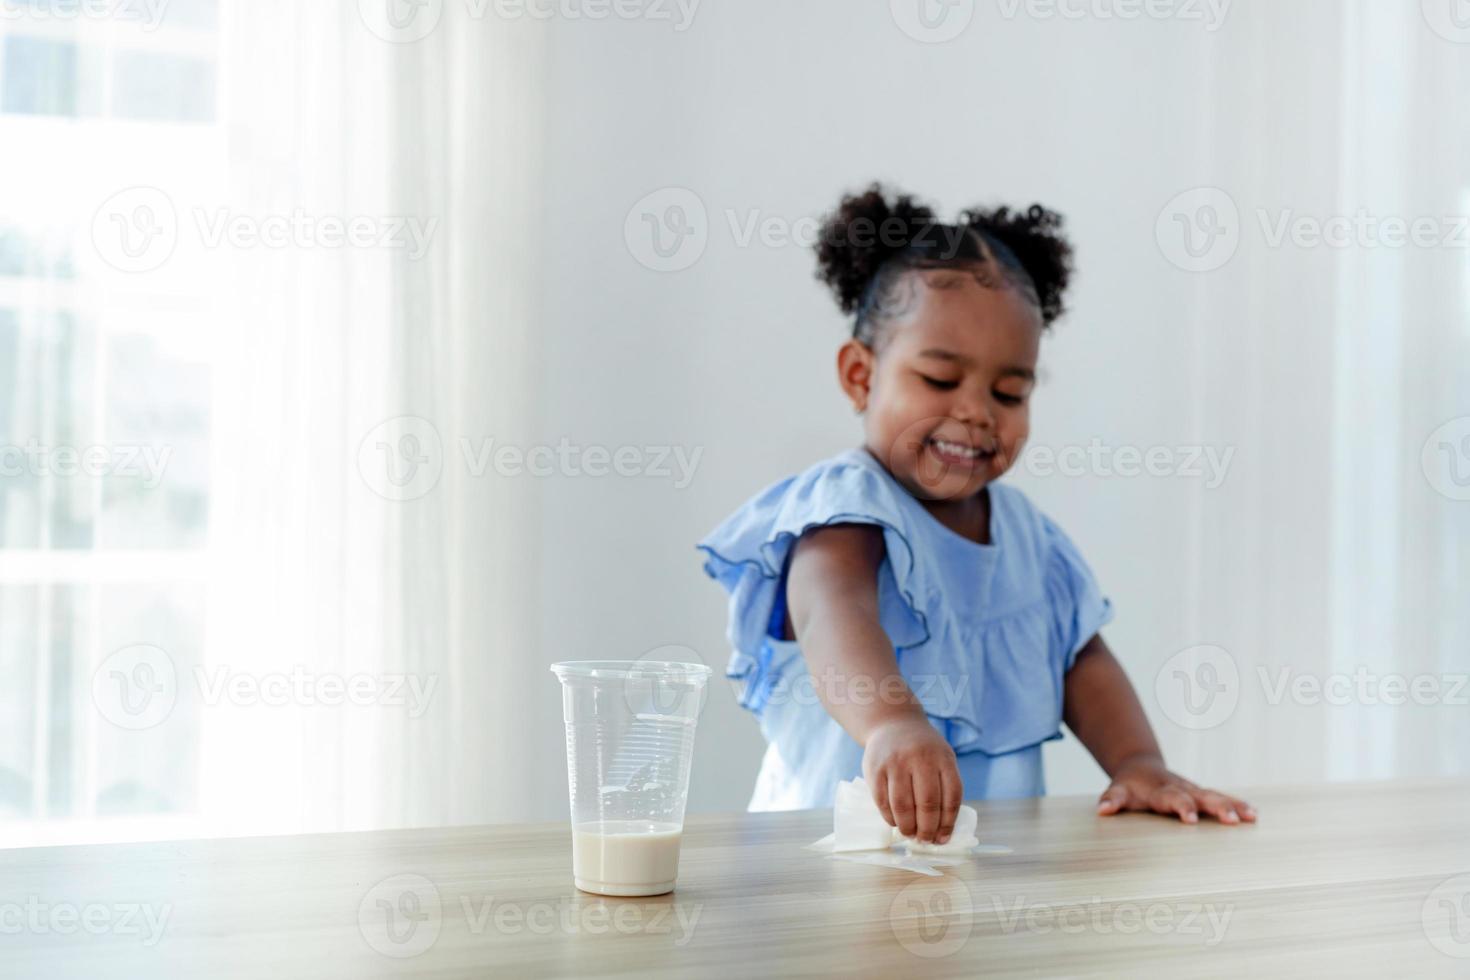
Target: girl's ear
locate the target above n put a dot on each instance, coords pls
(855, 373)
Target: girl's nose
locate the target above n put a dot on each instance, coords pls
(973, 410)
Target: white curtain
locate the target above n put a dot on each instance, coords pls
(349, 535)
(1334, 552)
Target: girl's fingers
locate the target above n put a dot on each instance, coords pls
(1178, 797)
(1173, 799)
(880, 797)
(1113, 800)
(928, 802)
(901, 801)
(953, 796)
(1218, 805)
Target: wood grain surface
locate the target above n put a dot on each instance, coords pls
(1336, 880)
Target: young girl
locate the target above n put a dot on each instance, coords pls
(897, 613)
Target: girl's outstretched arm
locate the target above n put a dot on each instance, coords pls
(832, 593)
(1100, 706)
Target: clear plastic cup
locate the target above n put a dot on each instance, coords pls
(630, 739)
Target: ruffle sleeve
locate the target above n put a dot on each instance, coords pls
(748, 554)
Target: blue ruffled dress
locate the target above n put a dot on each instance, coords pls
(983, 633)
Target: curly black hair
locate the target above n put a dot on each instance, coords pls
(869, 243)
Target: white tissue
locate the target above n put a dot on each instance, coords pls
(858, 826)
(856, 823)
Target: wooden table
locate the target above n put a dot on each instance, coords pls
(1336, 880)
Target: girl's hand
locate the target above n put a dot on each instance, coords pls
(914, 778)
(1149, 786)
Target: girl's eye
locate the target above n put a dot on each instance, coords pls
(1006, 399)
(939, 383)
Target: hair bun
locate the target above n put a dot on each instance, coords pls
(865, 231)
(1035, 238)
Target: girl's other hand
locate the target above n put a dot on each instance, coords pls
(1149, 786)
(914, 778)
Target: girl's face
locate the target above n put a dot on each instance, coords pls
(946, 397)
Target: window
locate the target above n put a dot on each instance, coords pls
(105, 394)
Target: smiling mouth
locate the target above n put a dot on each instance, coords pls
(959, 453)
